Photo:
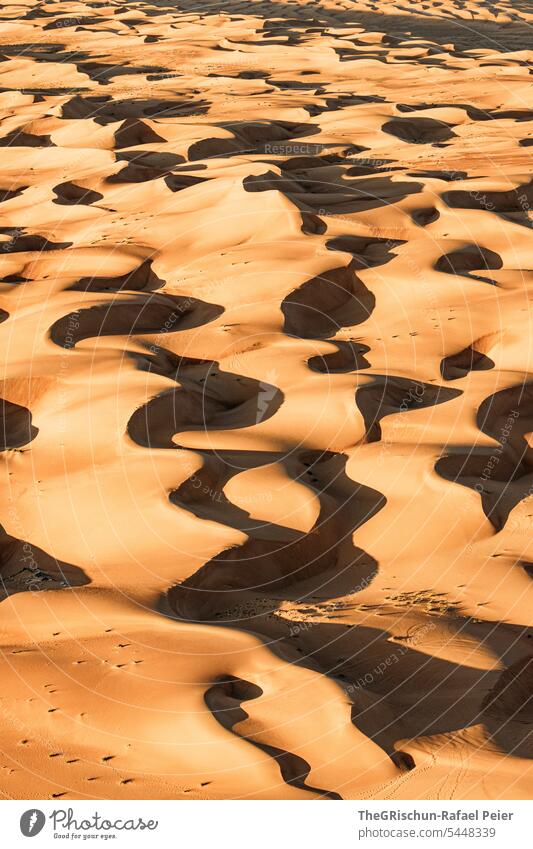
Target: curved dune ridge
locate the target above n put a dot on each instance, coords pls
(267, 399)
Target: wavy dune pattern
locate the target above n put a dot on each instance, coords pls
(267, 404)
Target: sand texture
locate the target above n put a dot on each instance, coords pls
(267, 399)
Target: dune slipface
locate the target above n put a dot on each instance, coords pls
(266, 400)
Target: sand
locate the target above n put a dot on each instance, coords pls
(267, 443)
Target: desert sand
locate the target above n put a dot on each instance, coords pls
(267, 444)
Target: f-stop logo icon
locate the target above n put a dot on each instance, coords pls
(32, 822)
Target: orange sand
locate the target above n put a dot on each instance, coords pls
(267, 455)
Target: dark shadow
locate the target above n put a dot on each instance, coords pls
(146, 165)
(459, 365)
(69, 194)
(388, 395)
(141, 279)
(18, 138)
(513, 205)
(16, 428)
(207, 398)
(400, 692)
(501, 475)
(426, 215)
(332, 192)
(22, 242)
(331, 300)
(275, 557)
(418, 130)
(348, 357)
(151, 314)
(25, 567)
(471, 258)
(7, 194)
(250, 137)
(367, 251)
(224, 700)
(428, 25)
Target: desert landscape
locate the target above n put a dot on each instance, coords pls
(267, 399)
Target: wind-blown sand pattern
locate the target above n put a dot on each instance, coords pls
(267, 387)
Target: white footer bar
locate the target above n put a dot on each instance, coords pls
(267, 825)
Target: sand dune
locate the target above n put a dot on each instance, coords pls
(266, 400)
